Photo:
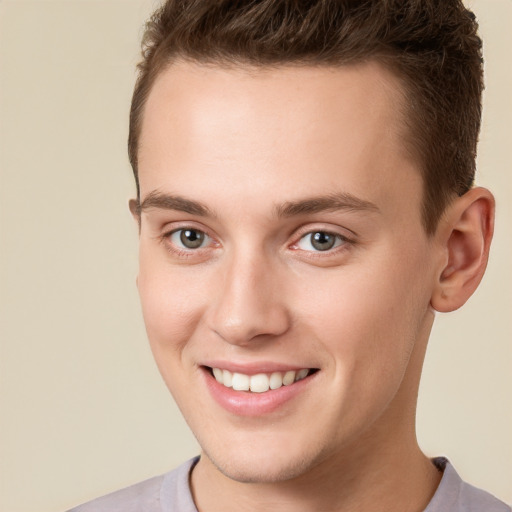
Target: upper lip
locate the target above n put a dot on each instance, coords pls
(253, 368)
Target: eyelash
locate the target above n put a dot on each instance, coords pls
(171, 247)
(342, 242)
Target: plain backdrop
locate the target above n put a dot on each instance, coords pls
(83, 410)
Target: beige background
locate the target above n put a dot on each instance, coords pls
(82, 408)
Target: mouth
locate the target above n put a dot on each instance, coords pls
(259, 382)
(256, 390)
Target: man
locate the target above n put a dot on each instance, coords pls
(305, 203)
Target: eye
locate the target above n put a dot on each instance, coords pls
(320, 241)
(189, 238)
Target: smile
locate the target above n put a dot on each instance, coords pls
(260, 382)
(254, 390)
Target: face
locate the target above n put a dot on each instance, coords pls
(285, 276)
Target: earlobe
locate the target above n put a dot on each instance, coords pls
(465, 237)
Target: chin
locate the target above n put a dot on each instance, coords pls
(271, 472)
(259, 464)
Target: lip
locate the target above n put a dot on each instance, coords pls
(244, 403)
(253, 368)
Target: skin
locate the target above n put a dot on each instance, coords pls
(238, 147)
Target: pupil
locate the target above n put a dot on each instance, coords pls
(191, 239)
(323, 241)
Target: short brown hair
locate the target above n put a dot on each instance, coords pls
(432, 46)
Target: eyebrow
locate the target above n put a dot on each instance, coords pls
(163, 201)
(331, 202)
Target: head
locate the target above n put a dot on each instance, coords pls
(430, 46)
(303, 200)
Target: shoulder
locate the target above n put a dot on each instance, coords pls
(454, 495)
(142, 496)
(159, 493)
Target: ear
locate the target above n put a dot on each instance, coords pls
(134, 206)
(464, 235)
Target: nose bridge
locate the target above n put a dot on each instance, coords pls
(248, 303)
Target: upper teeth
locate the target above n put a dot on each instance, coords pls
(260, 382)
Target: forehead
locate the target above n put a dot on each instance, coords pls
(311, 128)
(201, 96)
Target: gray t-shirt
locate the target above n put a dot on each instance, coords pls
(171, 493)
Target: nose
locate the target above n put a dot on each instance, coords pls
(249, 303)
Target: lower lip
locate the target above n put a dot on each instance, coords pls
(245, 403)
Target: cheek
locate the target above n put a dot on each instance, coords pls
(171, 311)
(171, 303)
(369, 317)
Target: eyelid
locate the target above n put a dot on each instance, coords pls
(344, 233)
(173, 237)
(347, 241)
(171, 228)
(338, 240)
